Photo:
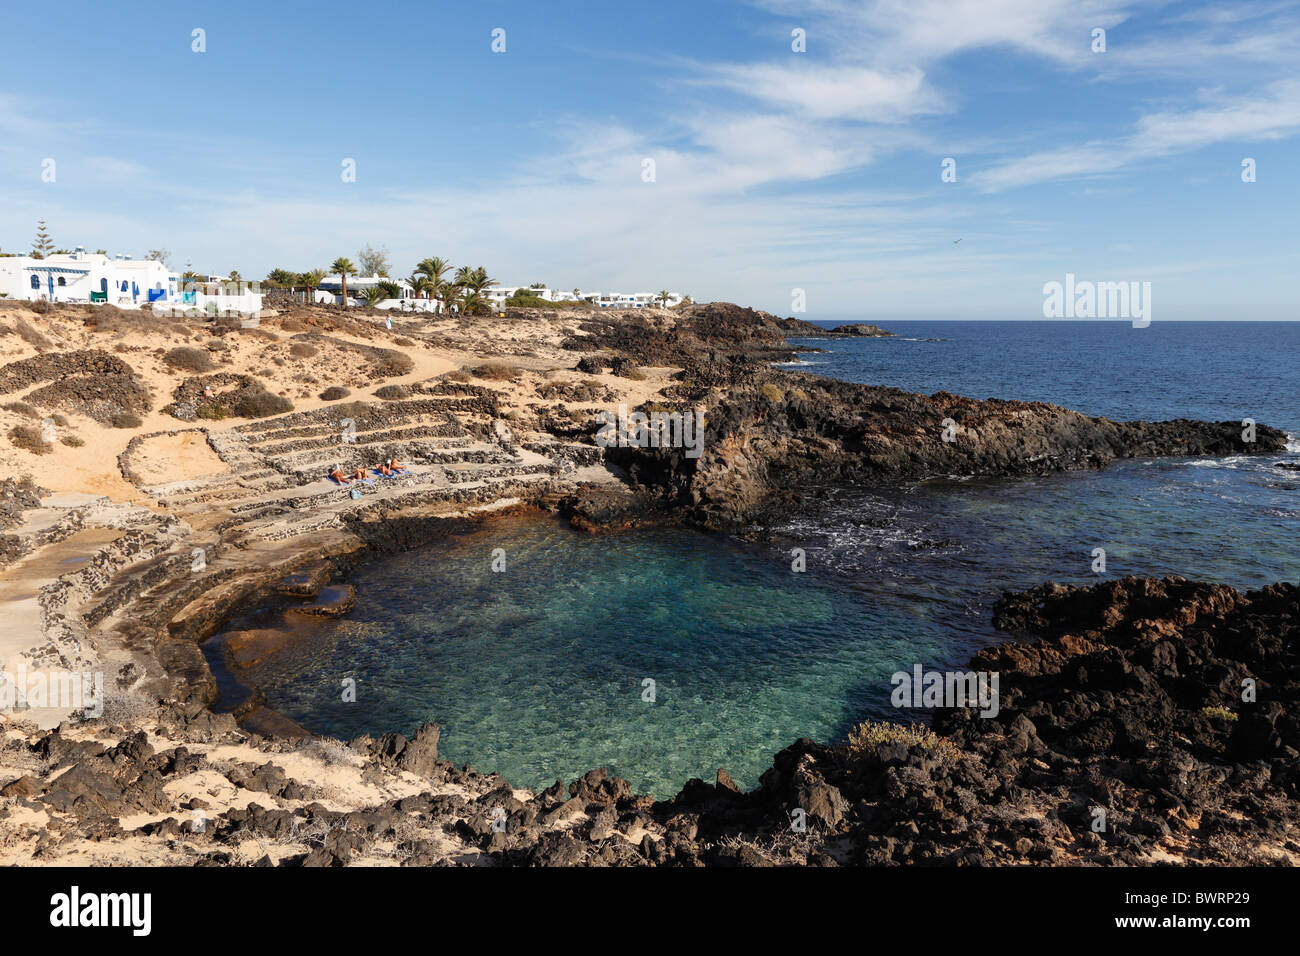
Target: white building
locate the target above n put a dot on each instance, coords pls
(330, 291)
(614, 300)
(127, 283)
(633, 300)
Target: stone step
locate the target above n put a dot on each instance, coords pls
(333, 439)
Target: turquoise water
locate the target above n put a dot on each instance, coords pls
(537, 672)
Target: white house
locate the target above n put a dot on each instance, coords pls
(330, 291)
(614, 300)
(632, 300)
(127, 283)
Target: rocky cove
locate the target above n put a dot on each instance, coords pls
(1114, 697)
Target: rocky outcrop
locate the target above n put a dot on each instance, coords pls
(798, 327)
(765, 442)
(771, 433)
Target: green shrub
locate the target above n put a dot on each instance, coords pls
(1221, 712)
(867, 736)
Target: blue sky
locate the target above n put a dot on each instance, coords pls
(774, 170)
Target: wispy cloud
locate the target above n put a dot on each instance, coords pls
(1272, 114)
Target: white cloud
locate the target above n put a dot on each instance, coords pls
(1272, 114)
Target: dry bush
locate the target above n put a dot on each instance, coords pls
(459, 375)
(189, 359)
(124, 708)
(125, 420)
(28, 333)
(262, 405)
(867, 736)
(22, 408)
(495, 371)
(302, 350)
(109, 318)
(392, 364)
(29, 438)
(334, 393)
(73, 441)
(392, 393)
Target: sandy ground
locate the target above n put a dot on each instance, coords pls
(435, 346)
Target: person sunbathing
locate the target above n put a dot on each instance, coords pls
(384, 470)
(337, 475)
(396, 466)
(360, 474)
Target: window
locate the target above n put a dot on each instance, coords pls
(36, 282)
(103, 285)
(123, 286)
(62, 281)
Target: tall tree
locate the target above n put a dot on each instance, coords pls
(158, 255)
(311, 280)
(663, 296)
(42, 244)
(344, 267)
(373, 262)
(435, 268)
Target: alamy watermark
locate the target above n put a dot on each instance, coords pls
(922, 688)
(1084, 299)
(73, 690)
(655, 430)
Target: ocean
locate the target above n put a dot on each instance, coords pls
(664, 655)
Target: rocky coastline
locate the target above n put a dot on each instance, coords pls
(1124, 697)
(1123, 707)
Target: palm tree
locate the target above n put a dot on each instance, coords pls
(375, 294)
(471, 303)
(421, 285)
(478, 280)
(344, 267)
(311, 280)
(663, 297)
(445, 292)
(434, 269)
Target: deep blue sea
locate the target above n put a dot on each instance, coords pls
(541, 671)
